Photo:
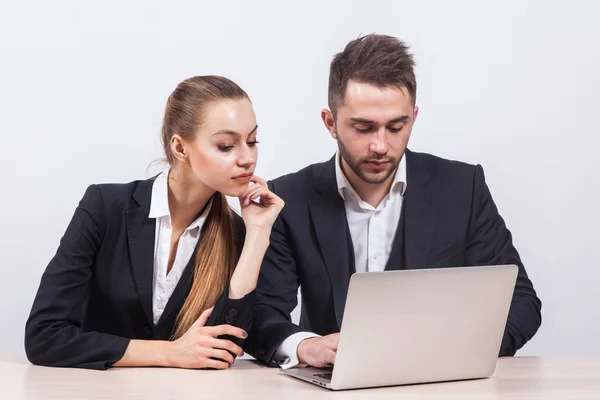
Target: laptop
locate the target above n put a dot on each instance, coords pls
(419, 326)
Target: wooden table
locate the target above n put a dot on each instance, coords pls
(565, 378)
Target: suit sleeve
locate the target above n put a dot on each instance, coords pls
(277, 296)
(53, 335)
(490, 243)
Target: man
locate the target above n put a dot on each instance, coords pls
(374, 206)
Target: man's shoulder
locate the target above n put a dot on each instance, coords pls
(439, 167)
(301, 182)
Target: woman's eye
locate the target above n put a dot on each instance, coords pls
(253, 143)
(225, 148)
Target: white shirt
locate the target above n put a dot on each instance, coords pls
(372, 230)
(164, 284)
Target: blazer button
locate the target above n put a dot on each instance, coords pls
(233, 312)
(229, 319)
(148, 330)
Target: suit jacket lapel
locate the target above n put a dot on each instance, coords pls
(415, 227)
(419, 213)
(328, 216)
(141, 232)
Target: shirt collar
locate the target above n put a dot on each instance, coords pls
(343, 184)
(159, 202)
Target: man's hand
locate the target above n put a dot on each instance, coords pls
(318, 351)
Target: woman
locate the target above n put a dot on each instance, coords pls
(141, 264)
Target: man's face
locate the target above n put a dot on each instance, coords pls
(372, 128)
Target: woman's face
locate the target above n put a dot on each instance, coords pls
(223, 154)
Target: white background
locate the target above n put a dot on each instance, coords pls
(512, 85)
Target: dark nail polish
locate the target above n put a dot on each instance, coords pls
(244, 334)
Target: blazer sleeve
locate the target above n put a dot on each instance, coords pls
(236, 312)
(490, 243)
(53, 335)
(277, 296)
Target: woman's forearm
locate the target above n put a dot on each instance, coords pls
(246, 272)
(145, 353)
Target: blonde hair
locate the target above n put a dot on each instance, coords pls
(216, 256)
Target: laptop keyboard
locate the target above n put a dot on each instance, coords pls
(324, 376)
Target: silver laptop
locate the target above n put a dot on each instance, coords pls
(418, 326)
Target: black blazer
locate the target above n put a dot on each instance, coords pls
(449, 217)
(96, 293)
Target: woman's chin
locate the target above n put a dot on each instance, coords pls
(235, 191)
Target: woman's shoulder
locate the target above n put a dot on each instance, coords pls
(121, 195)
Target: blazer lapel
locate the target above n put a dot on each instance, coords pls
(328, 216)
(141, 232)
(419, 213)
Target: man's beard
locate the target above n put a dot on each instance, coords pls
(357, 165)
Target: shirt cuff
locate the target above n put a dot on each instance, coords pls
(286, 354)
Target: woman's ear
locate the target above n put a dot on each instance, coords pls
(178, 148)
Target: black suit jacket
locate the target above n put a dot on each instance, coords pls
(96, 293)
(450, 219)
